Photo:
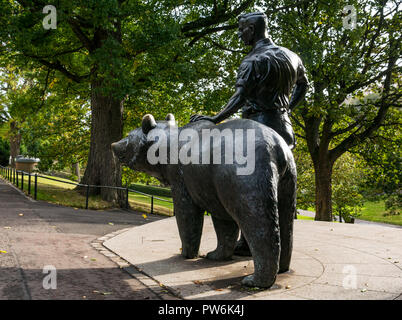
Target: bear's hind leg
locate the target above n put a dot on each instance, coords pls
(227, 233)
(286, 211)
(261, 231)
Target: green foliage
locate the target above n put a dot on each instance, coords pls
(393, 204)
(130, 177)
(382, 155)
(305, 177)
(347, 176)
(346, 198)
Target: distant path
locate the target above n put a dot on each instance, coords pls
(36, 234)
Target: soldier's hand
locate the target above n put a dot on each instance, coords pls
(199, 117)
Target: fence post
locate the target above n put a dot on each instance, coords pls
(29, 183)
(126, 198)
(152, 204)
(86, 201)
(17, 177)
(22, 180)
(36, 187)
(13, 180)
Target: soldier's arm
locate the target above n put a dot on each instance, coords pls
(234, 104)
(300, 89)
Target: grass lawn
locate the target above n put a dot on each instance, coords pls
(300, 217)
(374, 211)
(64, 194)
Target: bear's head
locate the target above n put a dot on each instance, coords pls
(132, 150)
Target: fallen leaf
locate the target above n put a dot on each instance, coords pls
(106, 293)
(93, 259)
(288, 287)
(21, 214)
(85, 257)
(218, 289)
(144, 216)
(363, 290)
(111, 223)
(7, 227)
(3, 251)
(197, 282)
(396, 261)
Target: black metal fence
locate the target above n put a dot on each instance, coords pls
(16, 177)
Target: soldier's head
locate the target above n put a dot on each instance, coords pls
(252, 27)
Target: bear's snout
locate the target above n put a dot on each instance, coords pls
(119, 148)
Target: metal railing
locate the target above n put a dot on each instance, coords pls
(16, 177)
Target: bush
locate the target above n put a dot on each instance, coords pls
(393, 204)
(347, 201)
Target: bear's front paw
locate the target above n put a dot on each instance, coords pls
(252, 281)
(219, 255)
(189, 254)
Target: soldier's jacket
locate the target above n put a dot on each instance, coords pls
(268, 74)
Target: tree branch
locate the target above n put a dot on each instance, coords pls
(59, 67)
(198, 35)
(356, 138)
(219, 17)
(75, 26)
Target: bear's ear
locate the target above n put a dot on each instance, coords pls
(148, 123)
(170, 117)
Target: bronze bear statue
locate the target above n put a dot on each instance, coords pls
(261, 201)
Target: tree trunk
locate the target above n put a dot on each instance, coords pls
(103, 168)
(15, 142)
(76, 170)
(323, 193)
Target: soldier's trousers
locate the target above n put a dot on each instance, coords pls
(277, 120)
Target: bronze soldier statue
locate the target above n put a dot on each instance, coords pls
(266, 78)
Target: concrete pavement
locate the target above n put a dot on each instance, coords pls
(330, 261)
(37, 234)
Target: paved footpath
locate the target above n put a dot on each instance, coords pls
(35, 234)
